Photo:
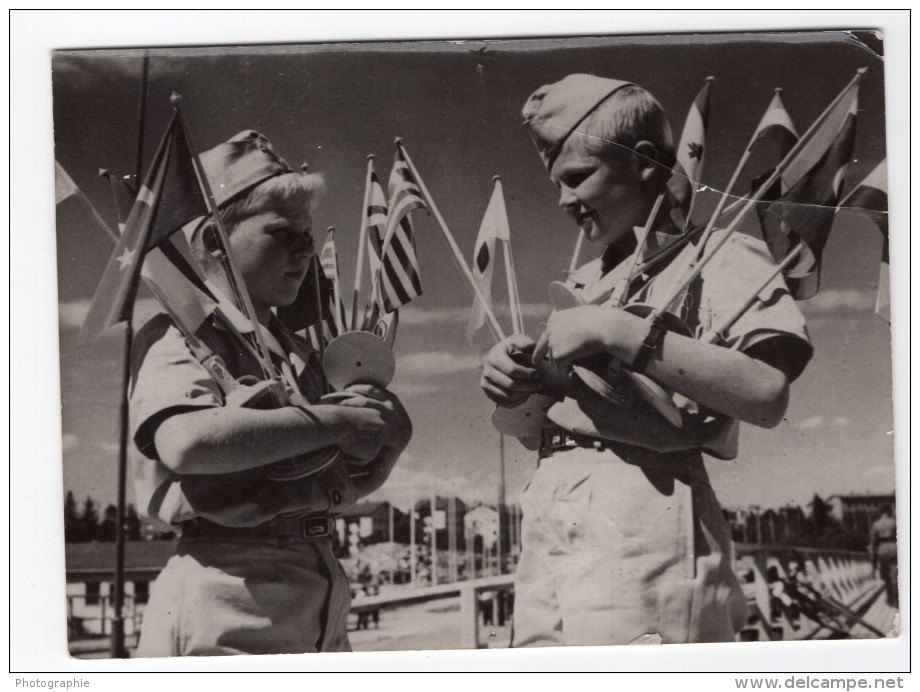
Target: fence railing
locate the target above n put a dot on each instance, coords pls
(773, 576)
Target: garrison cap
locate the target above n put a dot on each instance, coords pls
(236, 166)
(554, 111)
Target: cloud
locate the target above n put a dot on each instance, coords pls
(815, 422)
(840, 300)
(880, 470)
(428, 363)
(72, 313)
(69, 442)
(422, 316)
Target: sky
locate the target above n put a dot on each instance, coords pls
(457, 107)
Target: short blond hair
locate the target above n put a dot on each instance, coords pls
(291, 192)
(628, 116)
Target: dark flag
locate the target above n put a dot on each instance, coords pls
(169, 198)
(806, 211)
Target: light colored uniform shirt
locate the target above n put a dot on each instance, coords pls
(168, 380)
(623, 543)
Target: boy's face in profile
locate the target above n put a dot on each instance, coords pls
(272, 249)
(603, 195)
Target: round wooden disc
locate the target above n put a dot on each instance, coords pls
(358, 358)
(526, 420)
(306, 465)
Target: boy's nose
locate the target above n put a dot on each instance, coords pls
(567, 197)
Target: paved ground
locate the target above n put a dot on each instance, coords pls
(433, 625)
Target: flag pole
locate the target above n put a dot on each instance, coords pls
(234, 274)
(696, 268)
(457, 255)
(514, 300)
(362, 242)
(622, 288)
(576, 253)
(336, 291)
(731, 184)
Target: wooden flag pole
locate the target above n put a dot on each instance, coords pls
(622, 288)
(715, 334)
(731, 184)
(514, 300)
(696, 268)
(336, 292)
(362, 243)
(576, 253)
(234, 274)
(494, 326)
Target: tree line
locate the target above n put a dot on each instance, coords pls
(87, 524)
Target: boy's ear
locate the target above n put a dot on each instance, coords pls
(647, 164)
(210, 240)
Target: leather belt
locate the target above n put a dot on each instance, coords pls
(308, 528)
(556, 438)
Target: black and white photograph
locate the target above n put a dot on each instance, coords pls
(495, 343)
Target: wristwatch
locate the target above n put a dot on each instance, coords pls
(649, 345)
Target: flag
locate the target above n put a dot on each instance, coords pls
(335, 309)
(691, 152)
(494, 227)
(64, 185)
(806, 211)
(776, 126)
(169, 198)
(871, 195)
(399, 280)
(309, 315)
(376, 214)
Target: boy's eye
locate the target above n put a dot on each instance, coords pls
(573, 180)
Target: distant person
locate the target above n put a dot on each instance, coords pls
(883, 548)
(622, 534)
(254, 570)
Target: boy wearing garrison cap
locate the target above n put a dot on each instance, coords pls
(622, 535)
(254, 570)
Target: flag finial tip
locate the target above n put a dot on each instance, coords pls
(305, 166)
(496, 178)
(103, 173)
(370, 157)
(862, 70)
(330, 229)
(710, 78)
(397, 141)
(778, 90)
(175, 98)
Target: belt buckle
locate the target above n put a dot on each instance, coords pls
(317, 527)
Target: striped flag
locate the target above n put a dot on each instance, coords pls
(329, 261)
(169, 198)
(494, 227)
(376, 231)
(806, 212)
(871, 195)
(691, 152)
(399, 280)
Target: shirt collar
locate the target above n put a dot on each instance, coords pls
(241, 323)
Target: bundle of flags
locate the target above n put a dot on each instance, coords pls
(810, 192)
(168, 198)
